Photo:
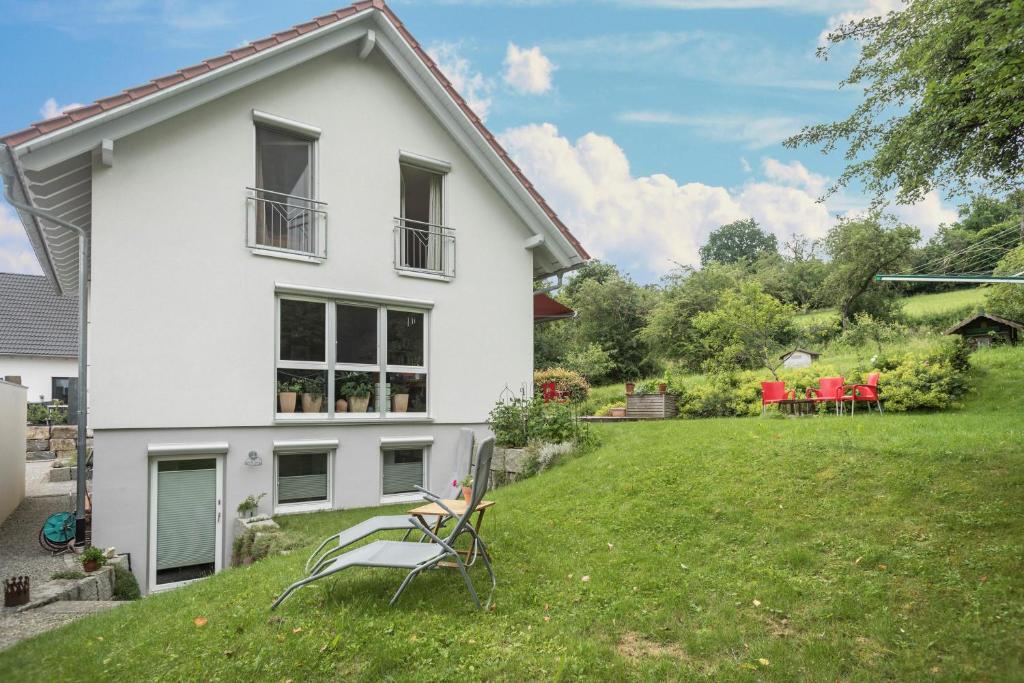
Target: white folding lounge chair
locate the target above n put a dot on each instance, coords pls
(416, 556)
(341, 540)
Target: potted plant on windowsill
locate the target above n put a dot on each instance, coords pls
(399, 397)
(287, 393)
(92, 559)
(312, 394)
(467, 488)
(357, 389)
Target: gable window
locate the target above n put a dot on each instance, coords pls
(288, 218)
(402, 470)
(423, 243)
(302, 481)
(376, 366)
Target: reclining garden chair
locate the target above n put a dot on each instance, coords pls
(341, 540)
(416, 556)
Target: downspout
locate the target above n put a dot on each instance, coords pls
(9, 173)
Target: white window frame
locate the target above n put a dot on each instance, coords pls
(332, 367)
(296, 447)
(442, 168)
(422, 444)
(163, 453)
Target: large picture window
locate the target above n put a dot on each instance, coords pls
(376, 367)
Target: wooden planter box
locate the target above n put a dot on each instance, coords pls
(653, 406)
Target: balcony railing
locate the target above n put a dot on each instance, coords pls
(286, 223)
(424, 247)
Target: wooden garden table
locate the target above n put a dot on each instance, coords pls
(798, 406)
(458, 507)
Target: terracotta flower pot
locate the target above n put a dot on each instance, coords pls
(467, 493)
(630, 388)
(287, 401)
(400, 403)
(90, 566)
(341, 406)
(358, 404)
(662, 387)
(311, 403)
(617, 412)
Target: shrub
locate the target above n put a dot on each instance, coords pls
(593, 362)
(606, 409)
(519, 421)
(573, 384)
(125, 585)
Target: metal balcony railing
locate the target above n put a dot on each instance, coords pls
(284, 222)
(424, 247)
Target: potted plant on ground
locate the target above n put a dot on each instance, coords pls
(251, 503)
(287, 392)
(341, 406)
(630, 387)
(312, 394)
(467, 488)
(358, 389)
(92, 559)
(399, 397)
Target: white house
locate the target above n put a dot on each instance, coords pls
(319, 208)
(38, 336)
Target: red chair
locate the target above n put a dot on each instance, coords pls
(550, 393)
(774, 392)
(829, 389)
(865, 393)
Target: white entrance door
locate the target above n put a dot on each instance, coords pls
(185, 530)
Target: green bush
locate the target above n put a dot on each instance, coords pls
(125, 585)
(519, 421)
(591, 361)
(606, 409)
(573, 384)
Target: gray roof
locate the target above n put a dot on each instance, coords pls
(34, 321)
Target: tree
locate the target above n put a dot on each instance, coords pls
(595, 270)
(611, 315)
(670, 333)
(737, 242)
(591, 361)
(859, 249)
(941, 100)
(1007, 300)
(868, 330)
(750, 328)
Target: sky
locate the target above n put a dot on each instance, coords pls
(645, 123)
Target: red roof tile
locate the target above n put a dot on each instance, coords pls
(41, 128)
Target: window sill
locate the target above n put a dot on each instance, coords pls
(424, 275)
(285, 419)
(287, 255)
(294, 508)
(396, 498)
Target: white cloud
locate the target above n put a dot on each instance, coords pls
(50, 108)
(860, 10)
(755, 132)
(472, 85)
(16, 254)
(527, 70)
(649, 222)
(794, 174)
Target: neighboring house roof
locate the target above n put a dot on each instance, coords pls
(546, 309)
(787, 354)
(988, 316)
(156, 88)
(34, 320)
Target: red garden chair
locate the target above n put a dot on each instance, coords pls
(774, 392)
(865, 393)
(550, 393)
(830, 389)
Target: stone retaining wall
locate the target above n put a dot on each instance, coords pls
(43, 442)
(97, 585)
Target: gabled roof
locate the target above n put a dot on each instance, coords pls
(34, 320)
(37, 133)
(789, 353)
(988, 316)
(546, 309)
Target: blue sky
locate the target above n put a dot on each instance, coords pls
(646, 123)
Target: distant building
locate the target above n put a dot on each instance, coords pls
(799, 358)
(38, 336)
(984, 328)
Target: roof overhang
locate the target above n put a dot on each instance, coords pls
(546, 309)
(55, 166)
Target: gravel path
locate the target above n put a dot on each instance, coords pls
(20, 552)
(37, 481)
(17, 627)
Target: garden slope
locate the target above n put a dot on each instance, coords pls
(826, 548)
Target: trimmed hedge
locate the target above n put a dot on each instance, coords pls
(575, 385)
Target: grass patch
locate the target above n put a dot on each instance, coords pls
(67, 574)
(863, 548)
(943, 302)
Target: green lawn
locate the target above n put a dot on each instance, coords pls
(825, 548)
(915, 306)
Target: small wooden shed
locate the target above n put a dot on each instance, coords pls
(799, 358)
(984, 328)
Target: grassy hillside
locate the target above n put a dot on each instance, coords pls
(916, 306)
(853, 548)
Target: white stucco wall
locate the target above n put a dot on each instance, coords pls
(798, 359)
(36, 373)
(12, 447)
(182, 318)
